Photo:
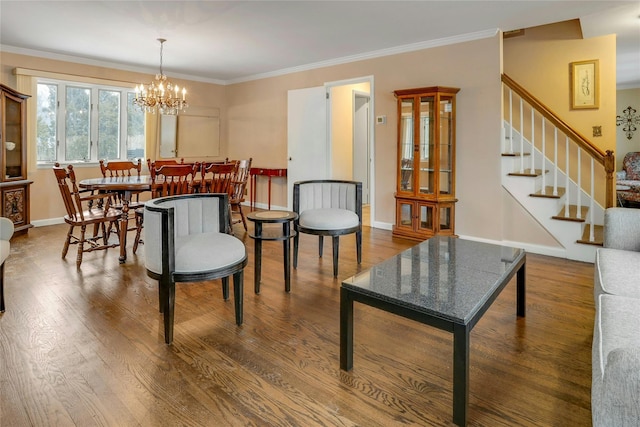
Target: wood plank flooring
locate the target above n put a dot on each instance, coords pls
(86, 348)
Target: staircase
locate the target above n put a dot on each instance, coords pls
(543, 161)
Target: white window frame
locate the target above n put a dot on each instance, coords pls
(62, 85)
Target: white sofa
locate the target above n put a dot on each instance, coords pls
(6, 231)
(615, 390)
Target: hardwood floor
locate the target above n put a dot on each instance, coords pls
(86, 348)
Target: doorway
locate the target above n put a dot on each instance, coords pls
(333, 135)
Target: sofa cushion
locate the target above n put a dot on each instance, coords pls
(617, 273)
(328, 219)
(617, 319)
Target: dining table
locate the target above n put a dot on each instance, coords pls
(126, 186)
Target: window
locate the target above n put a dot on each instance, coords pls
(78, 122)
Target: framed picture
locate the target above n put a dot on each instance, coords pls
(584, 84)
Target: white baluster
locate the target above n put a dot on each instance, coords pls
(544, 158)
(566, 180)
(579, 186)
(591, 233)
(510, 122)
(555, 162)
(521, 139)
(533, 142)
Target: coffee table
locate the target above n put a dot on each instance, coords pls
(445, 282)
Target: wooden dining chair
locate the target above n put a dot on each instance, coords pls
(83, 210)
(237, 192)
(167, 180)
(217, 177)
(117, 168)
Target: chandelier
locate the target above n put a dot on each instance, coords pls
(161, 95)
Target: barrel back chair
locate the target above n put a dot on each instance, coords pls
(6, 231)
(188, 240)
(328, 208)
(85, 209)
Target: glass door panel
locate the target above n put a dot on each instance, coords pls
(406, 214)
(426, 217)
(406, 145)
(13, 138)
(446, 145)
(445, 217)
(427, 146)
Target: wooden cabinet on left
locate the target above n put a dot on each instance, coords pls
(14, 185)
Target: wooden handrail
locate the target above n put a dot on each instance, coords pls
(606, 159)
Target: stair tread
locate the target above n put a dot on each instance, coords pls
(572, 215)
(598, 236)
(515, 154)
(549, 193)
(527, 172)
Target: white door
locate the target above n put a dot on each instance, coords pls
(308, 150)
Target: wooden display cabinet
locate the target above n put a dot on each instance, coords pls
(14, 185)
(425, 193)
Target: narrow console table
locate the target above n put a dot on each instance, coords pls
(255, 172)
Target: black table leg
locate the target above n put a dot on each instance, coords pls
(346, 330)
(258, 257)
(520, 293)
(286, 229)
(460, 374)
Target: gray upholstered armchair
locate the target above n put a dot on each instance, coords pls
(187, 240)
(6, 231)
(328, 208)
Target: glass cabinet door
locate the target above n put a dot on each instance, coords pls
(427, 146)
(446, 145)
(406, 145)
(12, 138)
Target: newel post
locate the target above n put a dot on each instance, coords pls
(609, 168)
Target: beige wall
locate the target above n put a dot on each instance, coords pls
(254, 119)
(627, 98)
(342, 104)
(540, 60)
(472, 66)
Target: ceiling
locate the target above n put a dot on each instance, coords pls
(232, 41)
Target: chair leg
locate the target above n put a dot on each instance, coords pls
(83, 230)
(320, 244)
(225, 288)
(67, 242)
(359, 246)
(244, 221)
(295, 250)
(238, 293)
(139, 225)
(336, 245)
(2, 288)
(169, 295)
